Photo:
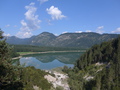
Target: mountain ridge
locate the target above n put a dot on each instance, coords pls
(83, 40)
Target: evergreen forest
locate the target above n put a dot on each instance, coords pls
(32, 48)
(97, 69)
(16, 77)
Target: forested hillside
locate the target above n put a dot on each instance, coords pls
(98, 68)
(31, 48)
(83, 40)
(17, 77)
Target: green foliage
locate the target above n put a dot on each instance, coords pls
(59, 88)
(107, 53)
(13, 53)
(65, 69)
(1, 34)
(34, 77)
(31, 48)
(9, 77)
(17, 77)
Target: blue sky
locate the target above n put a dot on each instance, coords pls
(24, 18)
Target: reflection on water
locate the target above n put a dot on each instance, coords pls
(49, 61)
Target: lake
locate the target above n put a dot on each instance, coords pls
(49, 60)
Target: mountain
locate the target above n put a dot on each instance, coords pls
(43, 39)
(18, 41)
(83, 40)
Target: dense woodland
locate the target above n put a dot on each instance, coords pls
(17, 77)
(98, 68)
(31, 48)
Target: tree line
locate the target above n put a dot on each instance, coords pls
(31, 48)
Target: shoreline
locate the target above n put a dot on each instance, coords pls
(16, 57)
(47, 52)
(52, 52)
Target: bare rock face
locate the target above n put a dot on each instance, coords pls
(58, 80)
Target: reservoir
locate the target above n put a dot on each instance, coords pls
(49, 61)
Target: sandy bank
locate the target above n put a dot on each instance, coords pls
(52, 52)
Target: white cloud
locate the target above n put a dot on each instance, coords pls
(99, 29)
(88, 31)
(78, 31)
(42, 1)
(55, 13)
(56, 34)
(32, 22)
(24, 34)
(116, 31)
(64, 32)
(24, 27)
(7, 25)
(6, 35)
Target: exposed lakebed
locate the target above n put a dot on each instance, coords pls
(49, 61)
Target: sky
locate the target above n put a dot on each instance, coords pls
(25, 18)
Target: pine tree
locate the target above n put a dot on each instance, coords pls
(117, 67)
(9, 80)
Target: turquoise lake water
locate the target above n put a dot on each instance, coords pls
(49, 61)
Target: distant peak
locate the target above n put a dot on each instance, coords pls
(46, 33)
(14, 37)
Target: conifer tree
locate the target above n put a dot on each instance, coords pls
(9, 80)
